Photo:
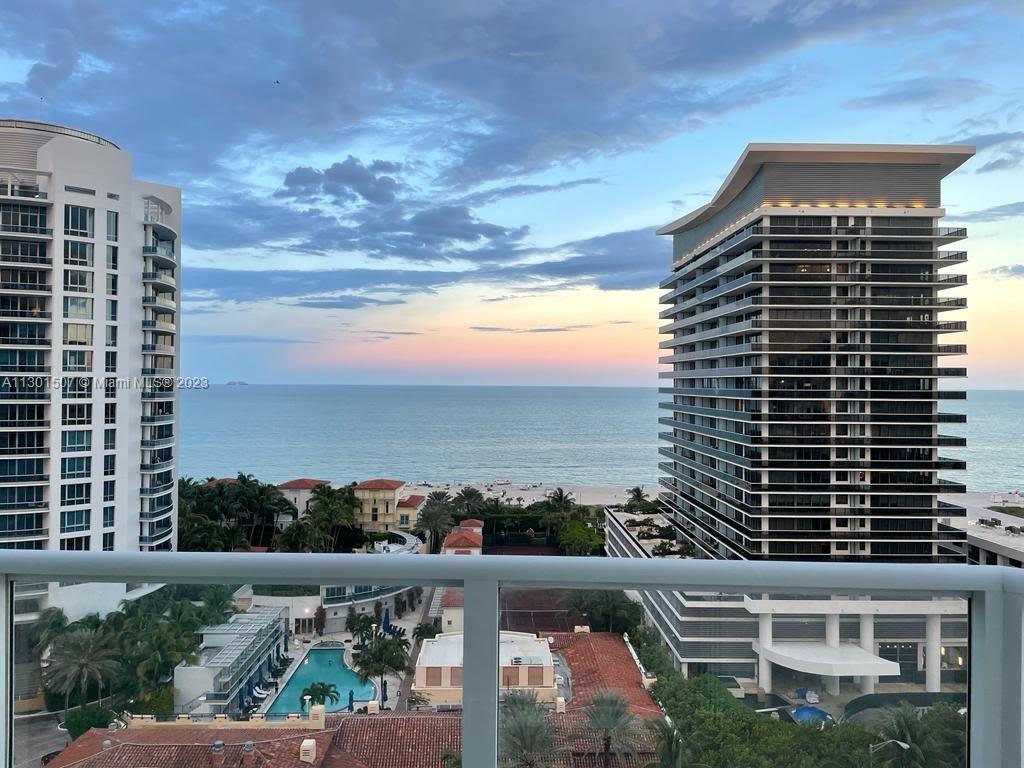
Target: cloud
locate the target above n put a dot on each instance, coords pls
(228, 339)
(996, 213)
(488, 196)
(932, 91)
(1009, 271)
(347, 180)
(397, 333)
(1007, 145)
(543, 329)
(344, 301)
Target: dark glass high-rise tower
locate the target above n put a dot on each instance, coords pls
(805, 313)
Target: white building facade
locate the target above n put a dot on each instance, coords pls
(89, 306)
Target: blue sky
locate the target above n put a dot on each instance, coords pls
(466, 192)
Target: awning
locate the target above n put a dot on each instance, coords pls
(847, 660)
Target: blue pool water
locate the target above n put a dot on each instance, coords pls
(322, 665)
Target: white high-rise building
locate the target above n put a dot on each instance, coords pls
(88, 353)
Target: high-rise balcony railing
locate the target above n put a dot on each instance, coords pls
(994, 595)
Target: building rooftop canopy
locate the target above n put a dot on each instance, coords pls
(948, 156)
(62, 130)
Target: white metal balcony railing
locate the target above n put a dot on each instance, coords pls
(996, 596)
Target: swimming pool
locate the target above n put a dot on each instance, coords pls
(322, 665)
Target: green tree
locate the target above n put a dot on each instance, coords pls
(669, 747)
(607, 610)
(77, 659)
(303, 535)
(425, 630)
(468, 502)
(360, 625)
(615, 728)
(526, 738)
(417, 699)
(435, 518)
(578, 539)
(80, 720)
(905, 724)
(383, 655)
(218, 602)
(319, 620)
(333, 510)
(52, 623)
(160, 650)
(558, 508)
(319, 693)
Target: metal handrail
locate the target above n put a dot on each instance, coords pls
(996, 609)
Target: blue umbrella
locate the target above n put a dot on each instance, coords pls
(351, 700)
(261, 677)
(286, 643)
(811, 715)
(384, 692)
(387, 619)
(241, 698)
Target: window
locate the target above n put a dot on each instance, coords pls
(456, 675)
(112, 226)
(77, 308)
(74, 520)
(78, 254)
(433, 677)
(75, 544)
(77, 281)
(108, 490)
(111, 335)
(110, 361)
(76, 414)
(113, 196)
(110, 413)
(77, 360)
(78, 334)
(403, 519)
(535, 676)
(75, 493)
(108, 517)
(76, 440)
(111, 257)
(109, 464)
(509, 677)
(23, 218)
(109, 439)
(110, 385)
(76, 387)
(79, 221)
(79, 190)
(112, 284)
(108, 542)
(111, 309)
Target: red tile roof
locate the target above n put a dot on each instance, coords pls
(471, 522)
(453, 597)
(412, 501)
(463, 539)
(412, 741)
(220, 481)
(599, 661)
(302, 484)
(380, 484)
(189, 747)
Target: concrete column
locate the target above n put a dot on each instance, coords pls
(764, 667)
(832, 641)
(867, 642)
(933, 654)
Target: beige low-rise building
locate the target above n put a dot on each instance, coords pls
(525, 659)
(382, 507)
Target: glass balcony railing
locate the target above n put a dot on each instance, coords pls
(831, 629)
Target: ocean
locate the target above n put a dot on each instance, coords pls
(571, 435)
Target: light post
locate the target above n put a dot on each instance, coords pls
(875, 747)
(307, 698)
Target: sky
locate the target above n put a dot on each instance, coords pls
(466, 192)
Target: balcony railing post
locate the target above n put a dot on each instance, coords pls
(994, 695)
(480, 674)
(1011, 670)
(7, 671)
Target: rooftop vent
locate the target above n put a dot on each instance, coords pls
(107, 743)
(307, 750)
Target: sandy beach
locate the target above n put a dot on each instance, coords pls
(511, 492)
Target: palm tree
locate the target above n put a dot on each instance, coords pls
(425, 630)
(383, 655)
(451, 759)
(161, 649)
(78, 658)
(436, 517)
(610, 606)
(636, 495)
(669, 747)
(320, 693)
(332, 510)
(360, 625)
(233, 537)
(609, 720)
(526, 738)
(468, 501)
(557, 510)
(303, 535)
(904, 724)
(218, 602)
(52, 624)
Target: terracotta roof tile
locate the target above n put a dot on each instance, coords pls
(412, 501)
(463, 539)
(453, 597)
(471, 522)
(220, 481)
(380, 484)
(302, 484)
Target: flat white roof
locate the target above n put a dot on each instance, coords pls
(445, 650)
(820, 659)
(991, 539)
(949, 156)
